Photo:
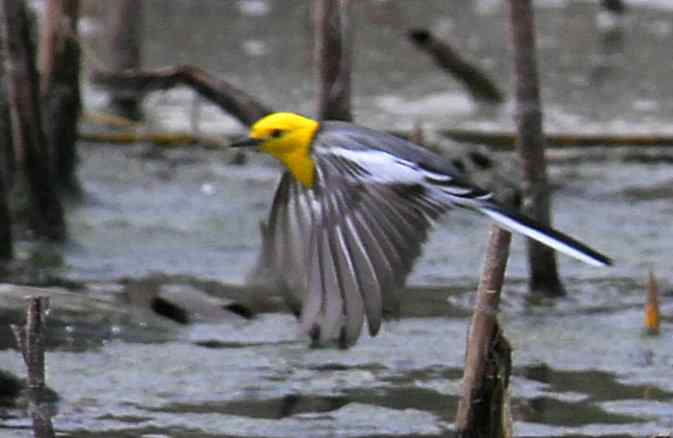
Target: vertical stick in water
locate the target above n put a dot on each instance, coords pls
(544, 276)
(124, 24)
(333, 54)
(59, 64)
(481, 411)
(30, 341)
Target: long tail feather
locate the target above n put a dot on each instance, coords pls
(519, 223)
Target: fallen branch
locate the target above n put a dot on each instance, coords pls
(221, 93)
(168, 139)
(109, 120)
(30, 341)
(506, 140)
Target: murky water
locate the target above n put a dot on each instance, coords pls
(582, 365)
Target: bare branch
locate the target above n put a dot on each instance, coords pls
(221, 93)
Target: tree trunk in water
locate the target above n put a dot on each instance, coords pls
(333, 54)
(544, 275)
(30, 146)
(125, 19)
(482, 411)
(59, 85)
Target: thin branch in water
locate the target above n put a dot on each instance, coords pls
(652, 313)
(544, 275)
(30, 340)
(482, 409)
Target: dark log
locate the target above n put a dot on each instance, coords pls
(59, 85)
(544, 275)
(480, 86)
(30, 145)
(124, 24)
(332, 58)
(481, 410)
(232, 100)
(30, 340)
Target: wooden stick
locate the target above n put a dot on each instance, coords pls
(168, 139)
(30, 342)
(652, 313)
(506, 141)
(230, 99)
(332, 58)
(544, 275)
(483, 384)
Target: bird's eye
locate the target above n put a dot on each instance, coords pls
(276, 133)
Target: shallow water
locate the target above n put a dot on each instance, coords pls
(581, 364)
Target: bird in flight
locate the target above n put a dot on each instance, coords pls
(351, 214)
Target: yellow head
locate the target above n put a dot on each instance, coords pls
(287, 137)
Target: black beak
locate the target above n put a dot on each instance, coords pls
(245, 143)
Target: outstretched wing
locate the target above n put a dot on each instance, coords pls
(345, 247)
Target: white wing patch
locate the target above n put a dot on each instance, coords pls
(387, 168)
(381, 166)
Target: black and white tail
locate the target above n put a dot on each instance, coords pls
(519, 223)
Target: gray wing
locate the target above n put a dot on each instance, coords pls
(344, 248)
